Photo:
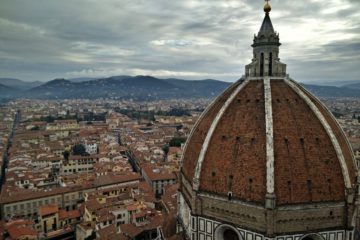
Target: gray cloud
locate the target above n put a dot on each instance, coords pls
(194, 39)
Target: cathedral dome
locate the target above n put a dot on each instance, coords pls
(269, 136)
(267, 160)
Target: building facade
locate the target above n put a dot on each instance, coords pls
(267, 160)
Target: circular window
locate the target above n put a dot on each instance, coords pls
(227, 232)
(312, 236)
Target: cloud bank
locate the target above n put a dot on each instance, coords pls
(191, 39)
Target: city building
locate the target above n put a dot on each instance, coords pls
(267, 160)
(158, 178)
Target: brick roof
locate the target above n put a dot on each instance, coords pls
(48, 209)
(69, 214)
(21, 232)
(157, 174)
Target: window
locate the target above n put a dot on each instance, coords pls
(270, 64)
(262, 65)
(229, 234)
(312, 237)
(230, 196)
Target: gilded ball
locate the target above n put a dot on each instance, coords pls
(267, 8)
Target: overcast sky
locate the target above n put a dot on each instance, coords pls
(191, 39)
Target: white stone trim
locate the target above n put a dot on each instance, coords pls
(224, 199)
(336, 122)
(211, 132)
(328, 130)
(246, 234)
(270, 159)
(202, 116)
(184, 212)
(311, 206)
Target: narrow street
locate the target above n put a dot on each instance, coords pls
(6, 154)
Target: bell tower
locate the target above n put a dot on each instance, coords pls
(266, 61)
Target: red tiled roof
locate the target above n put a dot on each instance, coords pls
(69, 214)
(156, 174)
(48, 209)
(20, 232)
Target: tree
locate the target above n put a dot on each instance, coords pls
(166, 149)
(79, 149)
(35, 128)
(48, 119)
(178, 127)
(176, 142)
(66, 155)
(337, 114)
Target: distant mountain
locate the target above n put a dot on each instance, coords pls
(330, 91)
(19, 84)
(353, 86)
(7, 92)
(125, 87)
(87, 79)
(84, 79)
(334, 83)
(142, 88)
(195, 87)
(58, 88)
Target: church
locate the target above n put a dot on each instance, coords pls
(267, 160)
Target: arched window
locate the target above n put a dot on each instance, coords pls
(230, 196)
(261, 64)
(270, 64)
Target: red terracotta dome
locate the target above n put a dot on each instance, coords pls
(267, 160)
(299, 152)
